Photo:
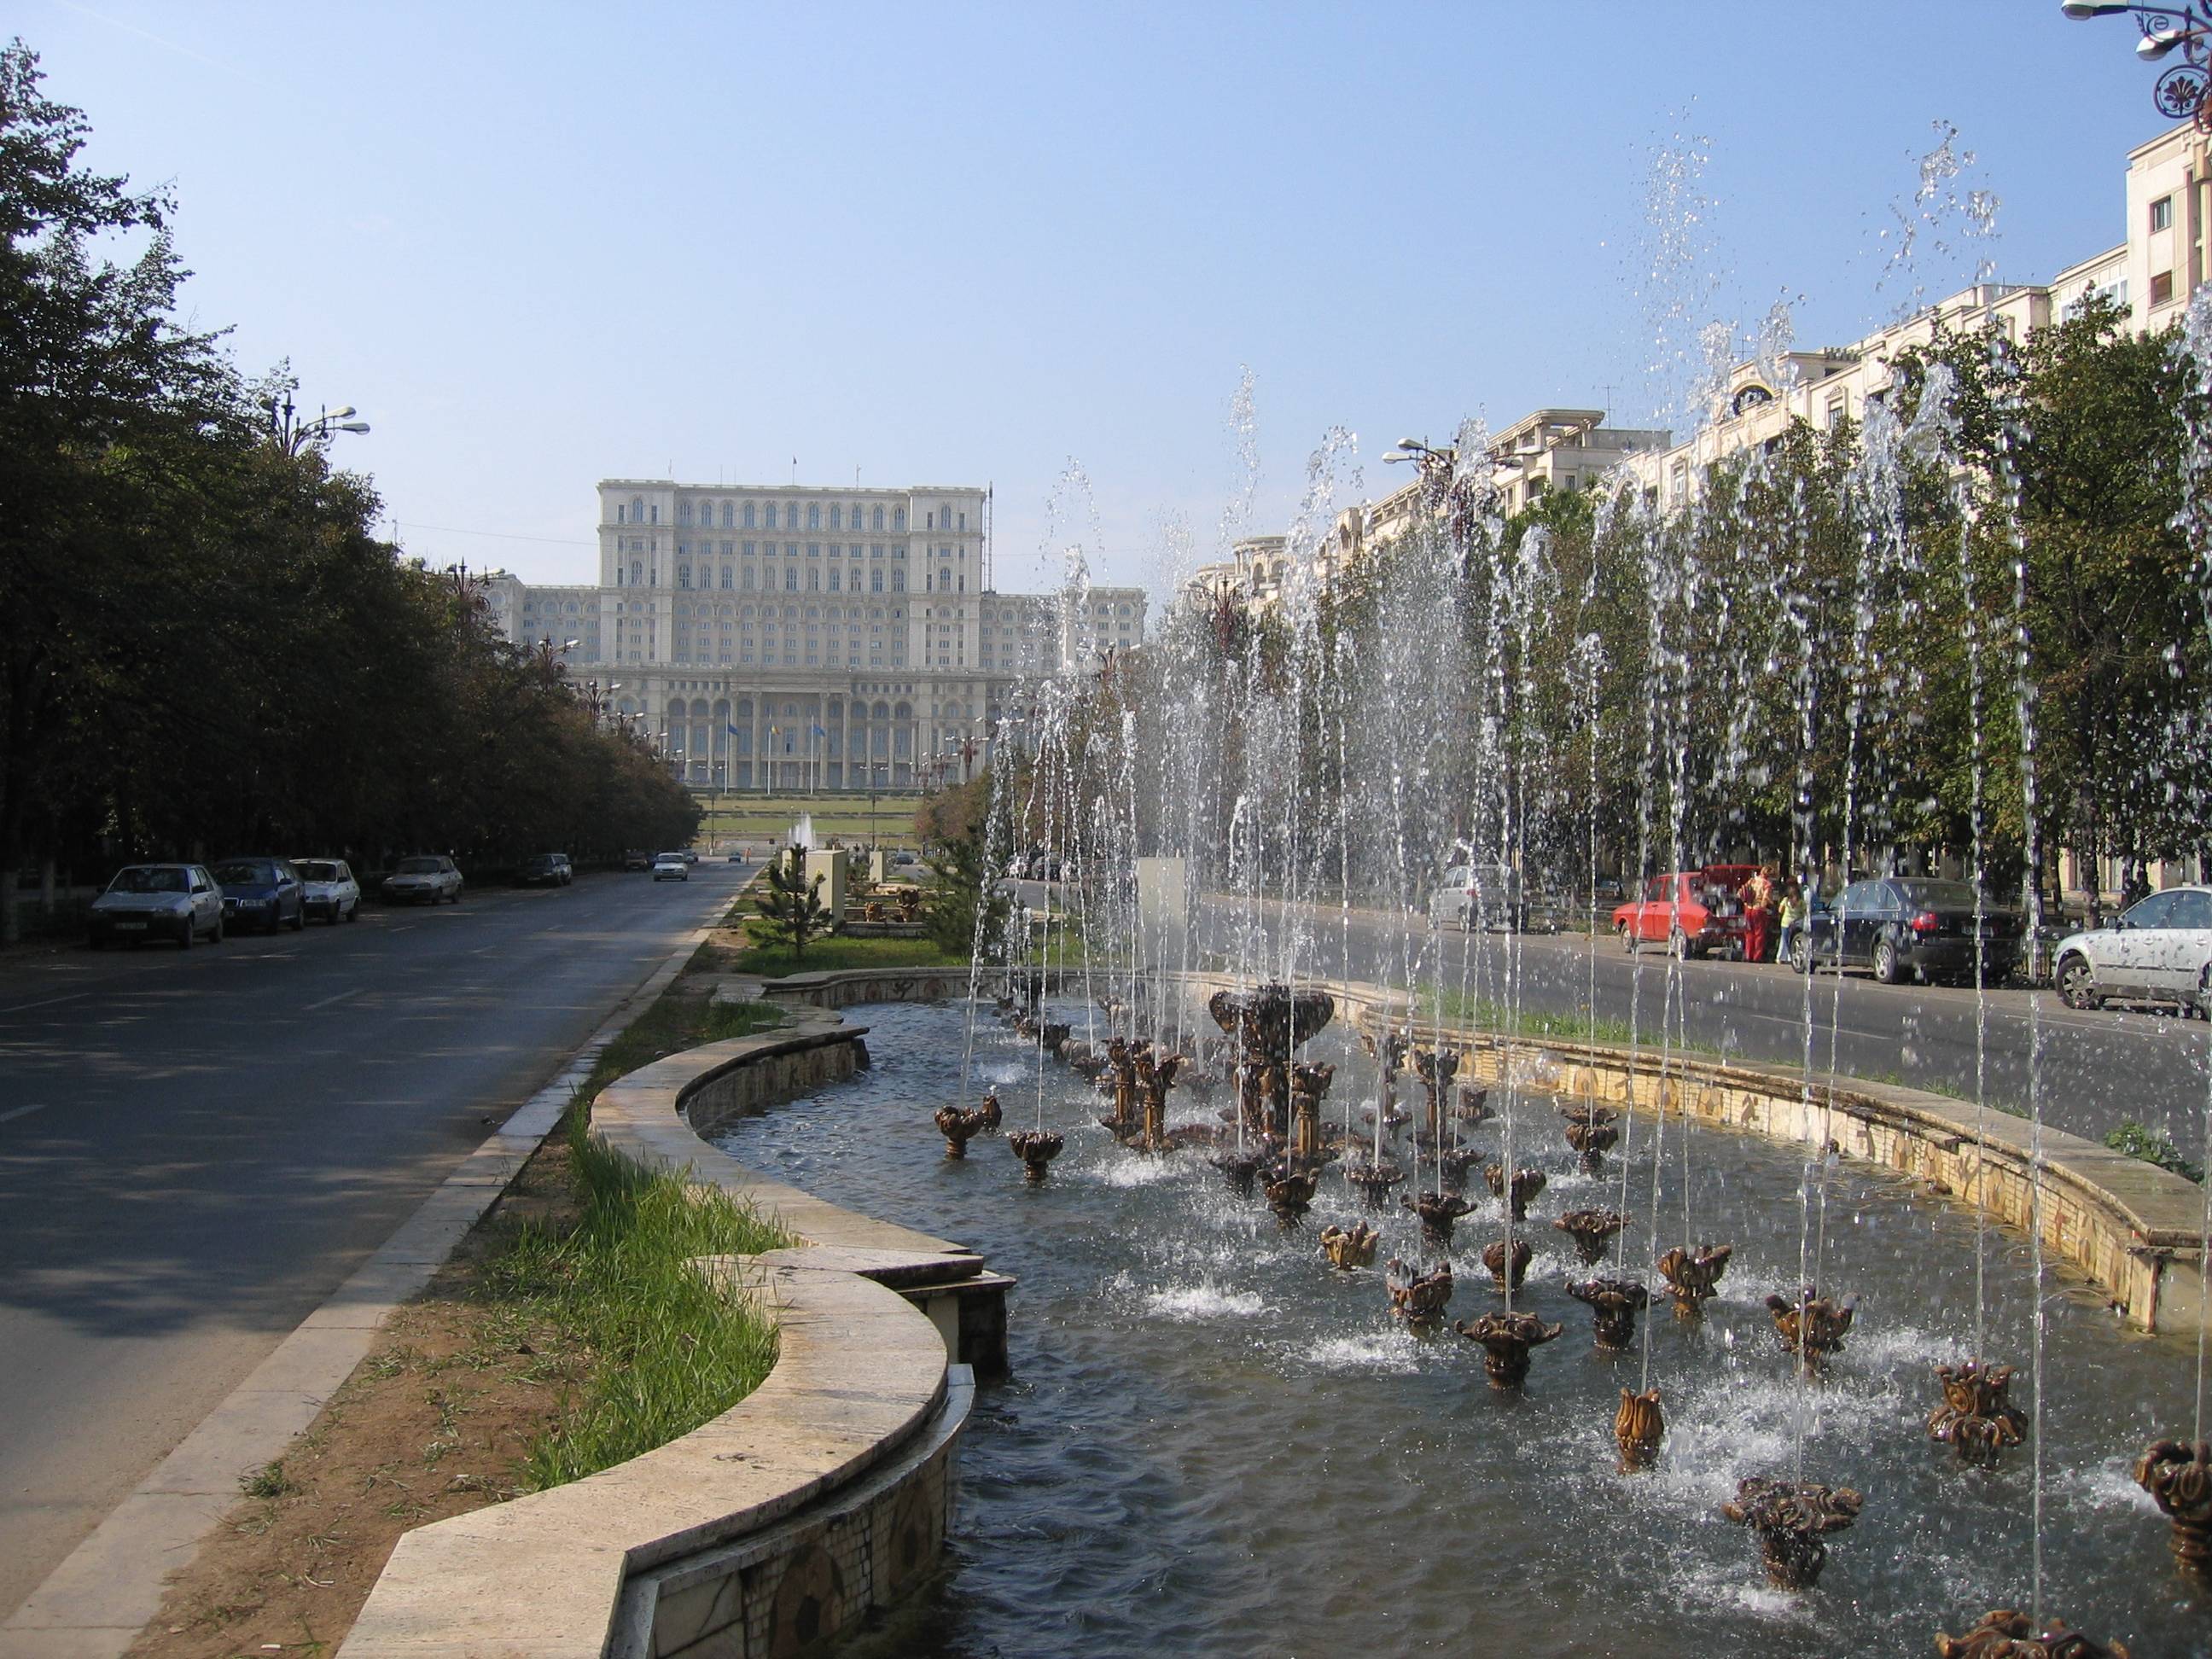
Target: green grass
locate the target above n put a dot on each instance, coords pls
(834, 954)
(674, 1023)
(670, 1350)
(2136, 1141)
(751, 818)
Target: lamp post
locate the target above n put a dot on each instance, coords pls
(2183, 91)
(292, 434)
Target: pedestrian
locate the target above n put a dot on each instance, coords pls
(1793, 917)
(1758, 897)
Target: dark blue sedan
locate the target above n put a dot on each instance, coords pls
(261, 893)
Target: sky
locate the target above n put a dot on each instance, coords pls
(1041, 247)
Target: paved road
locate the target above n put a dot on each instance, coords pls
(196, 1148)
(2094, 1068)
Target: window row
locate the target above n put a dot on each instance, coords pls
(769, 515)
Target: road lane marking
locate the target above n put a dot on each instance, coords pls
(25, 1008)
(310, 1008)
(21, 1111)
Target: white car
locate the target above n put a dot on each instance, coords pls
(332, 893)
(424, 881)
(670, 866)
(1480, 895)
(2155, 952)
(178, 901)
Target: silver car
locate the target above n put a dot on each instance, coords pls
(179, 901)
(670, 866)
(1483, 896)
(332, 894)
(424, 880)
(2155, 952)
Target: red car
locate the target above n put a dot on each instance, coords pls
(1693, 912)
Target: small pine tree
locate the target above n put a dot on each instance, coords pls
(793, 909)
(963, 897)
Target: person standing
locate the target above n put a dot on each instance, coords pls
(1758, 895)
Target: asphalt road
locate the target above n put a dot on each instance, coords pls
(196, 1147)
(2092, 1070)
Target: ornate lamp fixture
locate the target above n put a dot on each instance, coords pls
(2183, 91)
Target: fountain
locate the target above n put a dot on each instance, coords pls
(1693, 1276)
(1289, 1187)
(1526, 1183)
(1975, 1419)
(1436, 1067)
(1156, 1071)
(2005, 1634)
(1349, 1247)
(1419, 1298)
(1792, 1519)
(1122, 1063)
(1614, 1305)
(1636, 1428)
(2179, 1478)
(1496, 1254)
(1273, 1021)
(1811, 1326)
(1473, 1108)
(1439, 1213)
(1591, 1229)
(959, 1125)
(1037, 1148)
(1506, 1340)
(1592, 1131)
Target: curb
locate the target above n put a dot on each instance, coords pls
(107, 1590)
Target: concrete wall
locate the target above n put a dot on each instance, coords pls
(826, 1493)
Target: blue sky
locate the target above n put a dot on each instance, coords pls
(540, 245)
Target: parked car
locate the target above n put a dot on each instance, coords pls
(2155, 951)
(636, 861)
(1901, 925)
(332, 894)
(1485, 895)
(179, 902)
(424, 880)
(670, 866)
(545, 870)
(1693, 912)
(904, 856)
(689, 856)
(263, 892)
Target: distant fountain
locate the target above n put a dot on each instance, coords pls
(1811, 1326)
(1591, 1229)
(1419, 1298)
(1037, 1148)
(1614, 1305)
(1636, 1428)
(2179, 1478)
(1527, 1184)
(1693, 1276)
(1350, 1247)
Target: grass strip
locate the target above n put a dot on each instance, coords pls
(669, 1350)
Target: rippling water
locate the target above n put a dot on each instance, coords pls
(1214, 1442)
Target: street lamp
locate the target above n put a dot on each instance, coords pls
(2183, 91)
(292, 434)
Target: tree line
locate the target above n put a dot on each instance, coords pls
(204, 647)
(1965, 633)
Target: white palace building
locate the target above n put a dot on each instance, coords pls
(806, 639)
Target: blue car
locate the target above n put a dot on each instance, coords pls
(261, 893)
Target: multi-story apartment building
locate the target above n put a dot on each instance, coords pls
(2150, 276)
(801, 638)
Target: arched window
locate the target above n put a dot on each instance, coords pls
(728, 517)
(898, 582)
(726, 577)
(683, 575)
(898, 518)
(791, 515)
(684, 513)
(875, 582)
(637, 509)
(748, 515)
(814, 515)
(836, 516)
(879, 518)
(636, 573)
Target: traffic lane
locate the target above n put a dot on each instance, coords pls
(2096, 1068)
(213, 1153)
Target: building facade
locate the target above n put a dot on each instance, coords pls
(796, 639)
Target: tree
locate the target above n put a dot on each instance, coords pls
(791, 910)
(964, 895)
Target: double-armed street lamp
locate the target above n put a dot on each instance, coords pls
(290, 433)
(2183, 91)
